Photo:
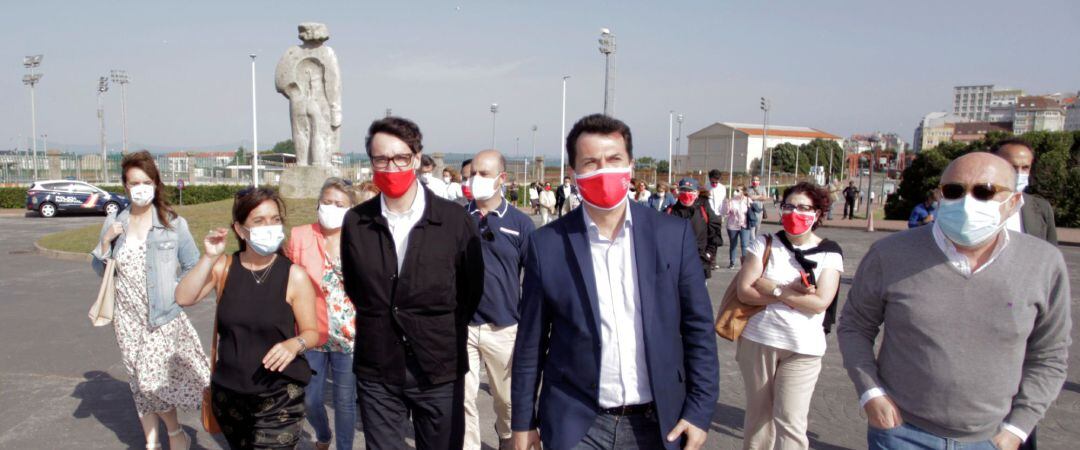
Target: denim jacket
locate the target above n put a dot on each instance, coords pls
(170, 253)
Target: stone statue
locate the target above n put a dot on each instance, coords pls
(308, 75)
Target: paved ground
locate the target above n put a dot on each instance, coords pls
(62, 385)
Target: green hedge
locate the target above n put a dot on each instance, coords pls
(15, 197)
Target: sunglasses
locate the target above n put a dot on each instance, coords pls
(981, 191)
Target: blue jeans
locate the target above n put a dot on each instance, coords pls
(910, 437)
(634, 432)
(740, 236)
(340, 364)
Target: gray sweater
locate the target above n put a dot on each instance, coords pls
(959, 356)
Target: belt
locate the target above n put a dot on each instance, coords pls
(629, 410)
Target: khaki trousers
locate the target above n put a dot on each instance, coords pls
(779, 385)
(494, 347)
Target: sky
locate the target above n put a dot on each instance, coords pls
(840, 66)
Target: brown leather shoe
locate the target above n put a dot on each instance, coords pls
(322, 446)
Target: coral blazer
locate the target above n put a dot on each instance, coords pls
(306, 249)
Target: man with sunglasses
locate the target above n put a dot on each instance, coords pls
(974, 354)
(413, 267)
(503, 231)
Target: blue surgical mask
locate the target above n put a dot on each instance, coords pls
(969, 222)
(266, 240)
(1022, 181)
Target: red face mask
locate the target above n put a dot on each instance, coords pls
(605, 188)
(395, 184)
(466, 191)
(687, 198)
(547, 188)
(798, 223)
(755, 183)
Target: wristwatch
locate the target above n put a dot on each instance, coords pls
(303, 345)
(777, 291)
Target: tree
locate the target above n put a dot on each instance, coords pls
(662, 167)
(285, 146)
(241, 156)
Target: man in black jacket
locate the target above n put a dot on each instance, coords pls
(413, 268)
(688, 207)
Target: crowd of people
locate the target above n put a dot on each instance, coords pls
(596, 330)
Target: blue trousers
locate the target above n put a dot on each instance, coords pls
(340, 364)
(910, 437)
(741, 237)
(636, 432)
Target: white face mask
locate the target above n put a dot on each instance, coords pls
(1022, 181)
(266, 240)
(425, 178)
(483, 188)
(142, 194)
(446, 179)
(331, 216)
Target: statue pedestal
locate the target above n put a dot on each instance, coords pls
(305, 181)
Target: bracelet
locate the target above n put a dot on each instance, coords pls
(303, 345)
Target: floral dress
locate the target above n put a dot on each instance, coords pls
(342, 316)
(166, 366)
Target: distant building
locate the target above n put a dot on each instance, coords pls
(1038, 113)
(936, 128)
(973, 102)
(737, 145)
(859, 143)
(1072, 116)
(974, 131)
(1003, 104)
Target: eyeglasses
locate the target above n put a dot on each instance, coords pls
(400, 161)
(981, 191)
(788, 207)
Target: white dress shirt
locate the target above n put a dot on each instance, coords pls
(959, 262)
(401, 224)
(624, 376)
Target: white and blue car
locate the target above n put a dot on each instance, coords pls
(51, 197)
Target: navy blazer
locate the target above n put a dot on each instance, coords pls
(558, 337)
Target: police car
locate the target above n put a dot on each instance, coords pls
(50, 197)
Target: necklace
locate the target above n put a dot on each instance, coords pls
(262, 274)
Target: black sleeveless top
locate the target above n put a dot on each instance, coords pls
(251, 318)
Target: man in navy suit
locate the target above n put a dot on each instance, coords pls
(615, 346)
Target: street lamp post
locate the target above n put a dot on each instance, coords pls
(494, 112)
(765, 106)
(607, 48)
(870, 187)
(534, 128)
(678, 140)
(254, 128)
(32, 79)
(103, 87)
(121, 77)
(670, 140)
(562, 134)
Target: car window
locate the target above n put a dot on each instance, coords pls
(82, 188)
(54, 186)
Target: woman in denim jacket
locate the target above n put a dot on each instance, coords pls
(153, 248)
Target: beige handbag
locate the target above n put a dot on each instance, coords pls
(101, 312)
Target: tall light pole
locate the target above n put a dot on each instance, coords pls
(670, 140)
(562, 134)
(121, 77)
(103, 87)
(254, 129)
(731, 166)
(607, 48)
(765, 106)
(797, 151)
(32, 62)
(534, 128)
(870, 185)
(494, 112)
(678, 140)
(45, 149)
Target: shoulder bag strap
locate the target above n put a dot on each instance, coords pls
(766, 253)
(220, 291)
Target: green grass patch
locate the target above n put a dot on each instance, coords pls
(201, 218)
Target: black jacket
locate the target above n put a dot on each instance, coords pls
(699, 223)
(1037, 217)
(424, 311)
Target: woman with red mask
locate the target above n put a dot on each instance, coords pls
(547, 203)
(780, 351)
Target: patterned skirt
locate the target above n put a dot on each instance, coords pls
(257, 421)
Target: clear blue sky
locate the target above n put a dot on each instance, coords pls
(841, 66)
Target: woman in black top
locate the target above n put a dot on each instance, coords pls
(265, 321)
